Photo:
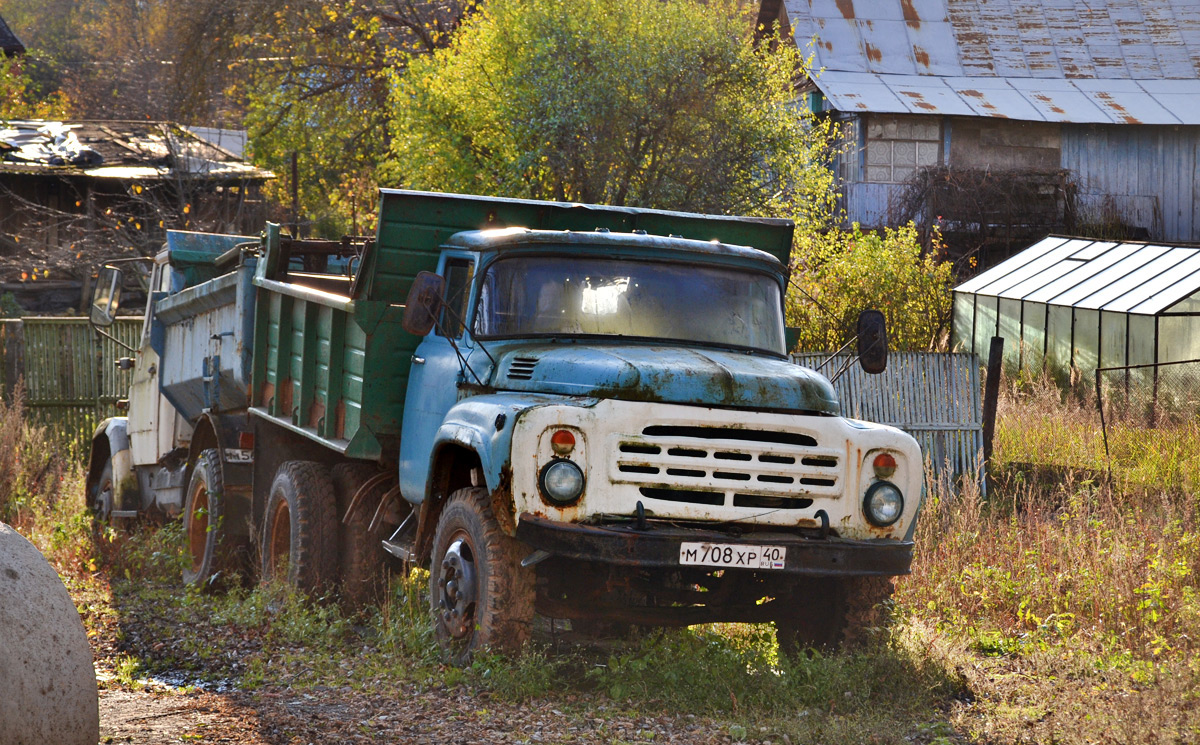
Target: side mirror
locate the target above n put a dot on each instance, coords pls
(872, 342)
(423, 303)
(106, 297)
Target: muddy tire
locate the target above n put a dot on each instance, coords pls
(363, 562)
(833, 614)
(299, 538)
(208, 555)
(100, 500)
(480, 595)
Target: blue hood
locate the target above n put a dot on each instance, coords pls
(664, 374)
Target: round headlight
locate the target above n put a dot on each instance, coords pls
(562, 481)
(883, 504)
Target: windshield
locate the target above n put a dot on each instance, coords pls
(552, 295)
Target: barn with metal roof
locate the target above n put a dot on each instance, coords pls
(1079, 303)
(1104, 92)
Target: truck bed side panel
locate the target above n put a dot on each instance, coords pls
(336, 374)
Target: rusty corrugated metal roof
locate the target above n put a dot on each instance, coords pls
(1084, 61)
(114, 149)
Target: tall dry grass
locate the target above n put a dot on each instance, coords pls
(1060, 553)
(41, 488)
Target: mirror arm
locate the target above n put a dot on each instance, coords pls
(462, 322)
(841, 349)
(109, 336)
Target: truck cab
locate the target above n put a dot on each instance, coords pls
(643, 437)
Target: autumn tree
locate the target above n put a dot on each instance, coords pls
(318, 86)
(838, 273)
(136, 59)
(626, 102)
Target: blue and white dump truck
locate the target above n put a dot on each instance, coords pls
(581, 411)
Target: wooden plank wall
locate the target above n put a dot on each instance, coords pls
(1148, 174)
(69, 374)
(936, 398)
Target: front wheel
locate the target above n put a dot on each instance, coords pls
(100, 499)
(299, 539)
(833, 613)
(480, 595)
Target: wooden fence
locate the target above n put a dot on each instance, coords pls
(69, 374)
(933, 397)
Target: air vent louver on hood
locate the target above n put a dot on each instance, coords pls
(521, 368)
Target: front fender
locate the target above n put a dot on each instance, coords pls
(110, 442)
(484, 425)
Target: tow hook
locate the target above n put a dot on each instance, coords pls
(824, 517)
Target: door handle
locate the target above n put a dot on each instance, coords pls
(418, 360)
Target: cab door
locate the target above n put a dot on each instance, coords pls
(144, 403)
(435, 376)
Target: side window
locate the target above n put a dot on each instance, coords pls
(459, 273)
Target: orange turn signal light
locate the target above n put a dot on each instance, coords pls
(884, 465)
(562, 442)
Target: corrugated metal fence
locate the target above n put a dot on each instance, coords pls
(71, 382)
(933, 397)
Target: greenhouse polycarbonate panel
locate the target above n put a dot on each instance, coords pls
(1112, 338)
(1115, 275)
(1141, 347)
(1093, 251)
(1187, 305)
(1085, 271)
(1166, 262)
(1164, 291)
(1177, 339)
(1010, 330)
(1058, 337)
(1086, 345)
(1003, 285)
(1008, 266)
(985, 324)
(963, 325)
(1033, 336)
(1031, 285)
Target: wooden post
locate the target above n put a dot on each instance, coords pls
(991, 394)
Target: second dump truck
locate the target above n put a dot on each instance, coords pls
(581, 411)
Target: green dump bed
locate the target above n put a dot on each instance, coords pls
(330, 358)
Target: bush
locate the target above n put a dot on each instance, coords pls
(838, 274)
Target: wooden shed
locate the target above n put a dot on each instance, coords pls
(1092, 104)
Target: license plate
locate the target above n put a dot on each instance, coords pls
(732, 555)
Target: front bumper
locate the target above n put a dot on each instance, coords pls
(658, 546)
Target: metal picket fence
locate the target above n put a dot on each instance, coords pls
(70, 380)
(933, 397)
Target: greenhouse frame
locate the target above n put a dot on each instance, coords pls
(1080, 304)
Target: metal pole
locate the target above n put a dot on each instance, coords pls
(295, 194)
(991, 395)
(1103, 425)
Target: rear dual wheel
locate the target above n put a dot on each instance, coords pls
(363, 562)
(299, 538)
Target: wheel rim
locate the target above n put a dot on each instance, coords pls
(280, 543)
(458, 589)
(197, 532)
